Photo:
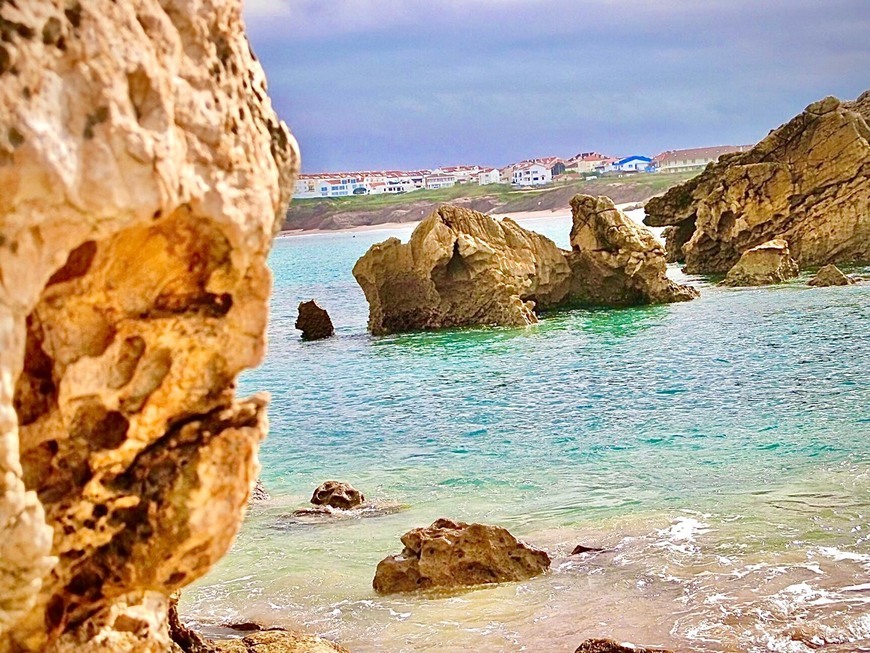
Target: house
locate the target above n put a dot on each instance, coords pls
(588, 162)
(634, 163)
(531, 174)
(693, 159)
(462, 174)
(488, 176)
(440, 180)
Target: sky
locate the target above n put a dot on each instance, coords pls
(403, 84)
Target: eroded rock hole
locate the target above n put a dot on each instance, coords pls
(77, 263)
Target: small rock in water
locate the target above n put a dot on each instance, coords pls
(768, 263)
(314, 321)
(260, 493)
(451, 554)
(580, 548)
(830, 275)
(600, 645)
(337, 494)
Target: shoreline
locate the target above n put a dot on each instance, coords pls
(389, 226)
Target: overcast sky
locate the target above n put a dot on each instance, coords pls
(369, 84)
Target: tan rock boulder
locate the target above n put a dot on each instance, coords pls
(314, 322)
(807, 182)
(615, 261)
(142, 176)
(768, 263)
(830, 275)
(451, 554)
(337, 494)
(601, 645)
(277, 641)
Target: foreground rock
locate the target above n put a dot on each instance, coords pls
(768, 263)
(807, 182)
(463, 268)
(314, 322)
(612, 646)
(615, 261)
(830, 275)
(142, 176)
(451, 555)
(337, 494)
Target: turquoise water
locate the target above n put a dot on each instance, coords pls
(719, 447)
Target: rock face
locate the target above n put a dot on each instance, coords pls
(612, 646)
(314, 321)
(463, 268)
(336, 494)
(768, 263)
(807, 182)
(142, 175)
(615, 261)
(455, 554)
(830, 275)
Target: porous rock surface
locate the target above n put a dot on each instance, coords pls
(464, 268)
(603, 645)
(768, 263)
(830, 275)
(142, 176)
(337, 494)
(807, 182)
(451, 554)
(313, 321)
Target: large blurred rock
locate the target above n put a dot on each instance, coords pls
(830, 275)
(768, 263)
(451, 554)
(807, 182)
(463, 268)
(142, 176)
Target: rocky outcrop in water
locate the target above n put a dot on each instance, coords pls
(314, 322)
(337, 494)
(463, 268)
(450, 555)
(807, 182)
(142, 176)
(612, 646)
(768, 263)
(259, 492)
(830, 275)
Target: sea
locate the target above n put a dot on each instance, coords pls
(718, 451)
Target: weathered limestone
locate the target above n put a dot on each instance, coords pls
(807, 182)
(615, 261)
(612, 646)
(768, 263)
(142, 176)
(451, 554)
(337, 494)
(830, 275)
(463, 268)
(314, 322)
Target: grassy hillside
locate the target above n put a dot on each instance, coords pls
(345, 212)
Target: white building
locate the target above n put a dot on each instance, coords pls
(693, 159)
(490, 176)
(440, 180)
(531, 174)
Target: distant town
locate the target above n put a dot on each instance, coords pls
(530, 172)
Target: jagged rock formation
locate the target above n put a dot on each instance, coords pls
(463, 268)
(314, 322)
(451, 554)
(830, 275)
(807, 182)
(337, 494)
(142, 175)
(615, 261)
(768, 263)
(259, 492)
(612, 646)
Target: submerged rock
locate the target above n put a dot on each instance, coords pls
(612, 646)
(830, 275)
(463, 268)
(451, 555)
(807, 182)
(581, 548)
(143, 174)
(314, 322)
(337, 494)
(768, 263)
(260, 493)
(276, 641)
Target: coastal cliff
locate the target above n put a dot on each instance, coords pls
(143, 174)
(807, 182)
